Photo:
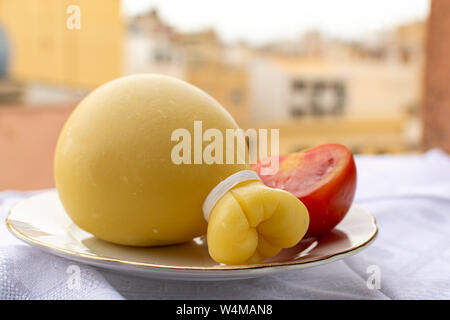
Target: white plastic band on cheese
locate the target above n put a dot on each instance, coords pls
(223, 187)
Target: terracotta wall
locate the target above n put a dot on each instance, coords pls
(436, 104)
(27, 141)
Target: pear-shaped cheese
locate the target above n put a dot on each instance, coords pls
(113, 167)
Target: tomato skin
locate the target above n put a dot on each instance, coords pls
(323, 178)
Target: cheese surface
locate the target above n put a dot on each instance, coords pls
(113, 168)
(253, 222)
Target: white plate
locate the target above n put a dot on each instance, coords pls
(42, 222)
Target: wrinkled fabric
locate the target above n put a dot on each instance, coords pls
(409, 195)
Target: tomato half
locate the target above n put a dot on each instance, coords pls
(323, 178)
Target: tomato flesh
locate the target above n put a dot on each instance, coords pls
(323, 178)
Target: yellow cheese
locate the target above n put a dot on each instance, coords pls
(253, 222)
(113, 167)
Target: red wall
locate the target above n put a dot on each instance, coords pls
(27, 141)
(436, 106)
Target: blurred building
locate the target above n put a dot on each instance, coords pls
(365, 95)
(210, 65)
(149, 47)
(319, 87)
(227, 84)
(45, 50)
(409, 41)
(200, 58)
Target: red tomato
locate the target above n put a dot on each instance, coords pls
(323, 178)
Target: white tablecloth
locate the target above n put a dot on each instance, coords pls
(409, 196)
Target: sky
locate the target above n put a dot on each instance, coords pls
(264, 21)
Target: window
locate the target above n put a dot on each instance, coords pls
(236, 96)
(317, 97)
(300, 98)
